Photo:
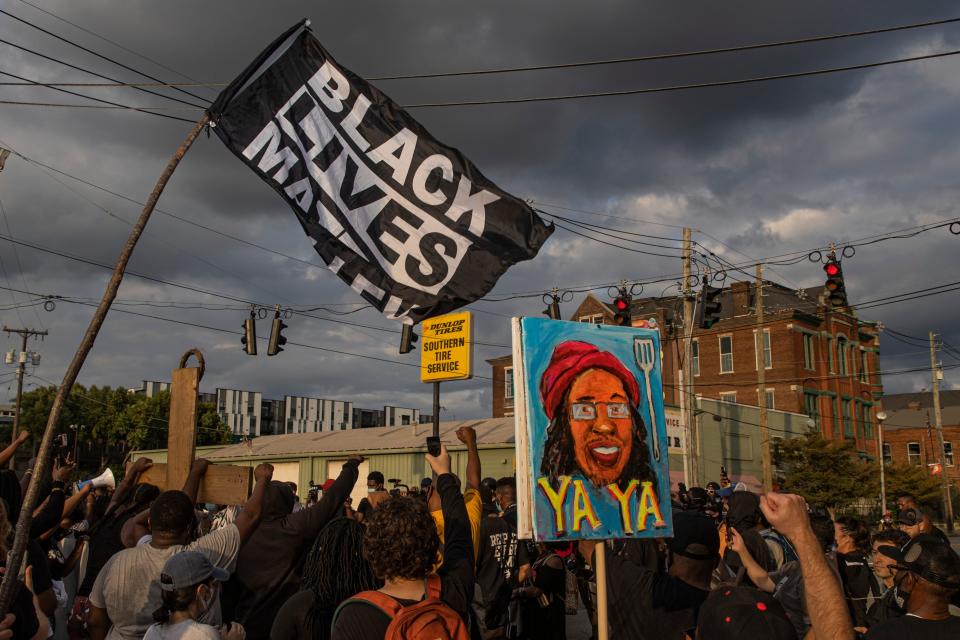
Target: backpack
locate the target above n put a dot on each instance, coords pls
(789, 555)
(429, 619)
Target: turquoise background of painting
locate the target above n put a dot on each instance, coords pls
(540, 337)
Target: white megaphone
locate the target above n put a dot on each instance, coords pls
(105, 479)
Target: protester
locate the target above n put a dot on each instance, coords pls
(29, 621)
(886, 607)
(928, 576)
(500, 561)
(375, 495)
(401, 544)
(909, 501)
(188, 585)
(743, 515)
(914, 522)
(334, 571)
(644, 603)
(743, 613)
(471, 495)
(541, 599)
(859, 584)
(267, 571)
(127, 591)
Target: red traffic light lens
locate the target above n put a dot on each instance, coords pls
(620, 304)
(832, 269)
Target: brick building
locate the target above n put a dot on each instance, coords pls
(819, 361)
(907, 437)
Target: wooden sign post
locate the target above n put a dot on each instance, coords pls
(222, 484)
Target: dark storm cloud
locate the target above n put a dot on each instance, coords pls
(766, 168)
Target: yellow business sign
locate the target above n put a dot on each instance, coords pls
(447, 347)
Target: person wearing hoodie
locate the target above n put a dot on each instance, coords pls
(743, 515)
(269, 565)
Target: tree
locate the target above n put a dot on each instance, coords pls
(917, 481)
(825, 472)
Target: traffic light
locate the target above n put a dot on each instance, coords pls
(407, 338)
(708, 311)
(277, 340)
(836, 291)
(621, 305)
(249, 338)
(553, 308)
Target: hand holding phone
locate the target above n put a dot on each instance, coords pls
(433, 445)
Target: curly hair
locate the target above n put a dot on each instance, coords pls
(560, 460)
(858, 530)
(401, 539)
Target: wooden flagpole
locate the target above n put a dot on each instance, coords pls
(41, 467)
(600, 558)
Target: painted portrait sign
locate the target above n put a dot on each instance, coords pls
(591, 436)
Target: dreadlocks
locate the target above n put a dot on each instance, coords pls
(336, 570)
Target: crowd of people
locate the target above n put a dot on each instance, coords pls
(442, 560)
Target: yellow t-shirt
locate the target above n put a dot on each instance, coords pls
(471, 498)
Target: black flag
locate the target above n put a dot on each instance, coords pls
(408, 222)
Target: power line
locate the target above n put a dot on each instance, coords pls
(99, 55)
(116, 83)
(554, 66)
(109, 41)
(683, 87)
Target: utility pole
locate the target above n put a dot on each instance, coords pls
(691, 432)
(24, 334)
(760, 347)
(936, 374)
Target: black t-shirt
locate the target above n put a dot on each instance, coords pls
(498, 559)
(293, 620)
(104, 543)
(909, 627)
(884, 609)
(37, 559)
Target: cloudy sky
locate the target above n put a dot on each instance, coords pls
(761, 169)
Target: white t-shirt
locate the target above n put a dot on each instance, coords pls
(183, 630)
(128, 586)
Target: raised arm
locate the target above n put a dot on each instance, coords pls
(829, 616)
(249, 516)
(192, 486)
(308, 522)
(49, 515)
(8, 453)
(468, 436)
(135, 528)
(756, 573)
(128, 483)
(457, 545)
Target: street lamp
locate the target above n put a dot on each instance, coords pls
(881, 416)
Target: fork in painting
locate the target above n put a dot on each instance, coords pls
(645, 355)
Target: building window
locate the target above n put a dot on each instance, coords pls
(508, 383)
(768, 396)
(887, 455)
(864, 372)
(811, 406)
(767, 353)
(728, 396)
(726, 354)
(867, 422)
(695, 350)
(847, 419)
(913, 453)
(596, 318)
(809, 359)
(842, 355)
(948, 453)
(830, 360)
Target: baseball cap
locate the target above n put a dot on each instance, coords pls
(928, 557)
(910, 517)
(188, 568)
(694, 536)
(734, 613)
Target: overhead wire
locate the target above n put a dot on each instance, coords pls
(98, 55)
(109, 41)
